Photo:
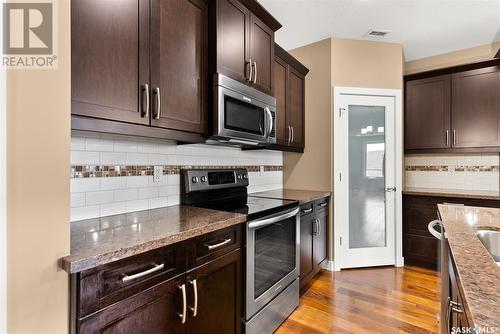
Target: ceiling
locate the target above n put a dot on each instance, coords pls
(424, 27)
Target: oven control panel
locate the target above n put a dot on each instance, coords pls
(207, 179)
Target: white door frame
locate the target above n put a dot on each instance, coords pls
(398, 168)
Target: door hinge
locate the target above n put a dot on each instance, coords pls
(341, 110)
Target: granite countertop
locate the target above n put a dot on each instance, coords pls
(478, 273)
(302, 196)
(102, 240)
(474, 194)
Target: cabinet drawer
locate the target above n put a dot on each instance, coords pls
(104, 285)
(210, 246)
(321, 204)
(306, 208)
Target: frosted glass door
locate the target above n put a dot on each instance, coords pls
(364, 208)
(367, 219)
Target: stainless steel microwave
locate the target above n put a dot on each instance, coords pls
(243, 116)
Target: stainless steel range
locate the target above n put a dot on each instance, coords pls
(272, 242)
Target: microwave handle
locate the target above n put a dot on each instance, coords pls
(270, 122)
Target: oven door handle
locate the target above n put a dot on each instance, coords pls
(272, 219)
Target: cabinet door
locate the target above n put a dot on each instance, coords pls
(295, 107)
(110, 59)
(152, 311)
(280, 90)
(306, 247)
(320, 237)
(219, 296)
(476, 108)
(427, 113)
(179, 73)
(232, 39)
(262, 55)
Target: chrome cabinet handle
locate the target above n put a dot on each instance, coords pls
(323, 204)
(293, 134)
(145, 105)
(255, 74)
(447, 137)
(307, 210)
(454, 138)
(184, 304)
(157, 267)
(289, 134)
(318, 231)
(156, 92)
(314, 227)
(390, 189)
(194, 309)
(250, 70)
(220, 244)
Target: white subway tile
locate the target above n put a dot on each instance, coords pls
(158, 202)
(137, 205)
(84, 158)
(166, 148)
(158, 159)
(84, 185)
(85, 212)
(99, 197)
(137, 159)
(169, 190)
(125, 146)
(126, 195)
(77, 144)
(148, 147)
(113, 158)
(174, 179)
(147, 193)
(137, 181)
(113, 209)
(173, 200)
(77, 200)
(113, 183)
(98, 145)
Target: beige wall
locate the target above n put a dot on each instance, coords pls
(476, 54)
(38, 166)
(357, 63)
(335, 62)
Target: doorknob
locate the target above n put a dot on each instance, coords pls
(389, 189)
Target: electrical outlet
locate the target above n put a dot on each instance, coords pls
(158, 172)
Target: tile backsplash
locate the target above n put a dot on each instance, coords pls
(453, 171)
(113, 174)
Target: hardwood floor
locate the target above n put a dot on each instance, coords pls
(376, 300)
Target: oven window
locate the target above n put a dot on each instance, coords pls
(274, 254)
(242, 116)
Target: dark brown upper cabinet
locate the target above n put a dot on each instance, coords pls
(289, 90)
(110, 59)
(244, 43)
(476, 108)
(453, 109)
(427, 113)
(179, 60)
(140, 67)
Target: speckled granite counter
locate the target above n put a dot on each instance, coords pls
(302, 196)
(477, 271)
(102, 240)
(459, 193)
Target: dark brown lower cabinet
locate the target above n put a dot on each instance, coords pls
(122, 297)
(313, 238)
(419, 246)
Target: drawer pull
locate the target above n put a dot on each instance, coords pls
(183, 315)
(157, 267)
(307, 210)
(323, 204)
(220, 244)
(194, 309)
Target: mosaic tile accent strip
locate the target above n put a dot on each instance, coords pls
(452, 168)
(89, 171)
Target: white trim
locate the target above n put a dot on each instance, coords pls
(398, 111)
(3, 195)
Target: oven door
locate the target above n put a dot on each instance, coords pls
(243, 117)
(272, 258)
